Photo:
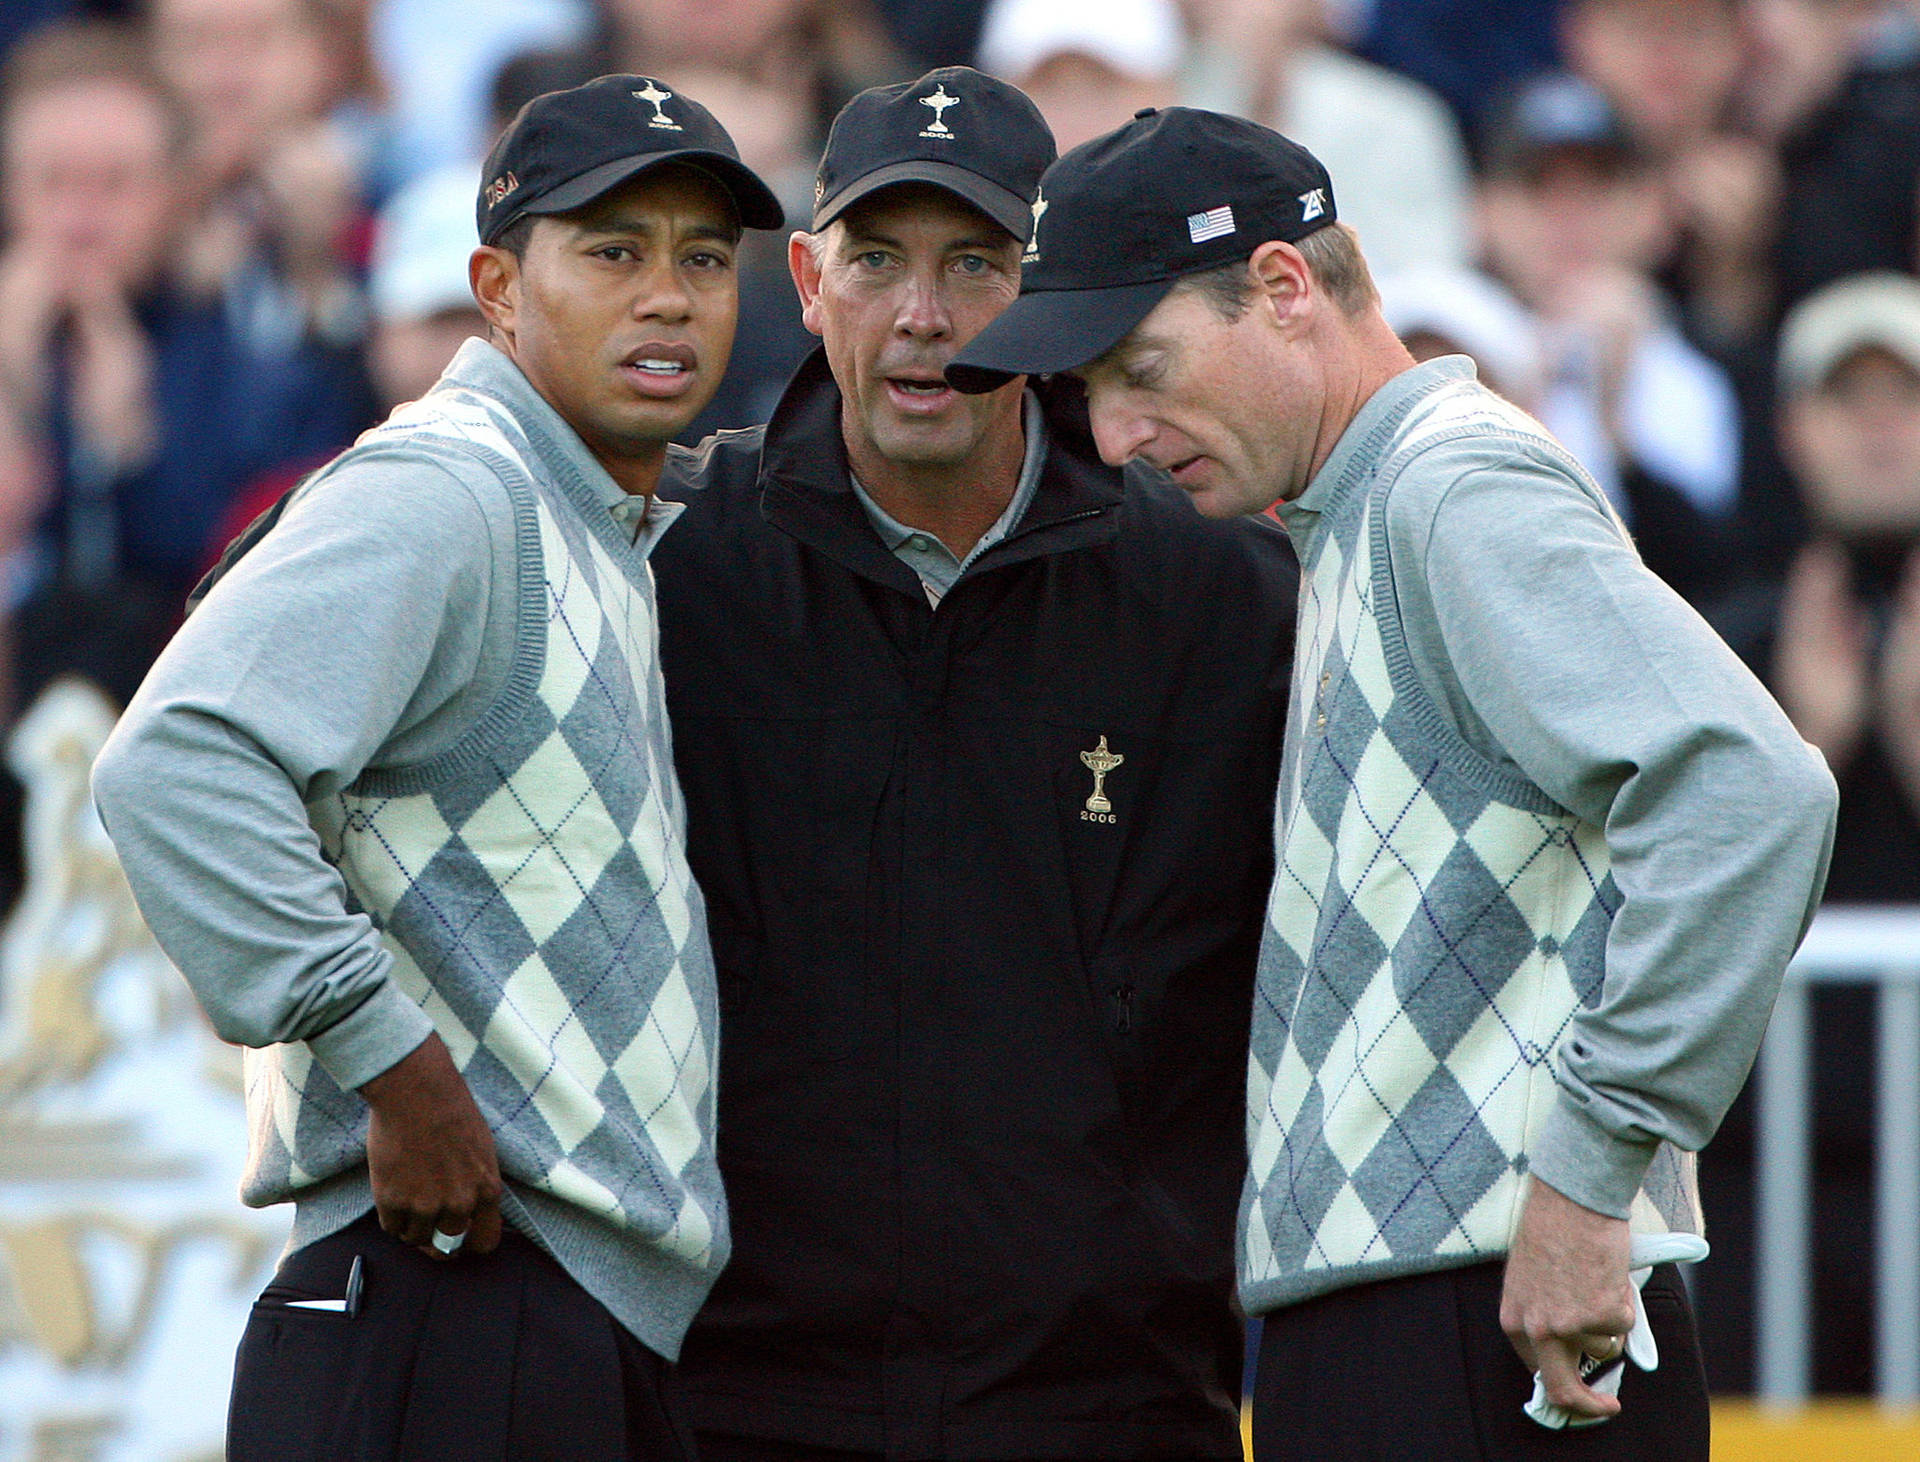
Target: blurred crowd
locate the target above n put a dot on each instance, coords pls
(233, 233)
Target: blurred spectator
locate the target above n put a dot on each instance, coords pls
(934, 33)
(21, 16)
(1573, 220)
(1670, 67)
(277, 188)
(438, 60)
(1470, 51)
(423, 311)
(1839, 96)
(773, 71)
(136, 409)
(1845, 663)
(423, 306)
(1089, 65)
(1395, 152)
(1439, 311)
(1847, 658)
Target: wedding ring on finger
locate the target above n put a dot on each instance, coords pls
(1606, 1349)
(448, 1244)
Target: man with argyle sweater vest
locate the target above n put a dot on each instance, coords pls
(1544, 846)
(399, 802)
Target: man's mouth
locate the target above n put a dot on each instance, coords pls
(1195, 474)
(660, 368)
(919, 393)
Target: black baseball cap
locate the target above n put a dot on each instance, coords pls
(1121, 218)
(956, 128)
(1550, 115)
(566, 148)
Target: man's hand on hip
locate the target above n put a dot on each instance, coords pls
(1567, 1294)
(431, 1155)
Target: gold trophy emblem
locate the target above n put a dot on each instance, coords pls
(1100, 761)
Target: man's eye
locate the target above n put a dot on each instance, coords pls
(614, 252)
(972, 264)
(708, 259)
(872, 259)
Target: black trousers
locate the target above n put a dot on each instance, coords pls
(715, 1447)
(494, 1358)
(1418, 1370)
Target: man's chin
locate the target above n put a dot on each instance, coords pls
(922, 444)
(1218, 499)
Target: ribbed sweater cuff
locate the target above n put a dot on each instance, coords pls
(383, 1029)
(1578, 1158)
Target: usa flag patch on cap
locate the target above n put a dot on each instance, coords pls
(1215, 223)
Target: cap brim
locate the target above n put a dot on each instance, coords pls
(1003, 206)
(1052, 330)
(753, 200)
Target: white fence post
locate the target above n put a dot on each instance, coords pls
(1846, 945)
(1897, 1198)
(1783, 1195)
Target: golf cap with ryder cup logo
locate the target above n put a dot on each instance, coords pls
(1125, 216)
(566, 148)
(956, 128)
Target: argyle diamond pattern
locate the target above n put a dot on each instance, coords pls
(538, 905)
(1428, 944)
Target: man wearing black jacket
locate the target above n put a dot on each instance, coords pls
(979, 741)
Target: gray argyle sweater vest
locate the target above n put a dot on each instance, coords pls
(532, 887)
(1436, 922)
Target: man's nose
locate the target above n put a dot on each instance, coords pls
(663, 293)
(923, 311)
(1118, 431)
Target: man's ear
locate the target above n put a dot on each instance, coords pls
(806, 277)
(1282, 280)
(494, 276)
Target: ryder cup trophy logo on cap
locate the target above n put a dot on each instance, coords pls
(656, 94)
(939, 101)
(1032, 253)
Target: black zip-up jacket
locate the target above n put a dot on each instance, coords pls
(983, 1051)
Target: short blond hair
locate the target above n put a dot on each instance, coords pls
(1333, 256)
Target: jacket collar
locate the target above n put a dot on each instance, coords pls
(806, 483)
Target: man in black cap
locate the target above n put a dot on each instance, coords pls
(398, 801)
(977, 778)
(1544, 845)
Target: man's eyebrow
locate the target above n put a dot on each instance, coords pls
(857, 239)
(986, 243)
(619, 223)
(648, 227)
(1123, 353)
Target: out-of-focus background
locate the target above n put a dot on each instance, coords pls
(233, 233)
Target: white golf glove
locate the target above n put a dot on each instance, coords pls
(1648, 1250)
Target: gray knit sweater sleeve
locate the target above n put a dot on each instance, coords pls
(370, 628)
(1532, 622)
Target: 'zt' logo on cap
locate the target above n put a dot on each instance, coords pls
(1313, 205)
(1215, 223)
